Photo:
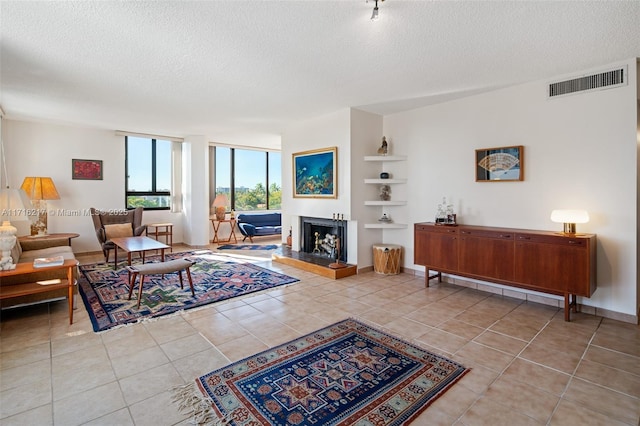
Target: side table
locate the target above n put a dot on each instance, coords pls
(161, 230)
(23, 289)
(216, 228)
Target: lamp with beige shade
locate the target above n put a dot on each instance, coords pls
(39, 190)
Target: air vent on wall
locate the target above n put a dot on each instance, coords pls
(603, 80)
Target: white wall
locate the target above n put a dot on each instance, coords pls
(366, 138)
(37, 149)
(321, 132)
(579, 152)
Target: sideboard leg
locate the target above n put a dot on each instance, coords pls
(570, 303)
(428, 277)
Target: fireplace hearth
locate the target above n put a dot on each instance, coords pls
(324, 238)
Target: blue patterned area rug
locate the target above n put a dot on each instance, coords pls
(105, 291)
(248, 247)
(346, 374)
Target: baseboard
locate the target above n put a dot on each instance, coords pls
(530, 296)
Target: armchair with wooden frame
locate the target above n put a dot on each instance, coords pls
(116, 223)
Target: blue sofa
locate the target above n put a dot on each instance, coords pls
(259, 224)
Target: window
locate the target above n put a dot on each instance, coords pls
(250, 179)
(148, 172)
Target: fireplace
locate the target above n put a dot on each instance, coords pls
(331, 237)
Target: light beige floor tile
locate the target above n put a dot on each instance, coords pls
(169, 329)
(25, 374)
(501, 342)
(487, 357)
(26, 397)
(489, 413)
(561, 361)
(618, 343)
(158, 410)
(542, 377)
(82, 407)
(144, 359)
(523, 398)
(73, 382)
(618, 406)
(461, 329)
(407, 329)
(609, 377)
(442, 340)
(455, 401)
(24, 356)
(511, 326)
(119, 418)
(180, 348)
(149, 383)
(129, 340)
(242, 347)
(91, 356)
(201, 363)
(41, 416)
(614, 359)
(570, 414)
(239, 328)
(433, 417)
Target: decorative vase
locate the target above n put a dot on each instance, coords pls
(289, 238)
(384, 175)
(7, 241)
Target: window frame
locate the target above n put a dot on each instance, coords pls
(153, 191)
(232, 180)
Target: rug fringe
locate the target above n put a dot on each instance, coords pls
(192, 402)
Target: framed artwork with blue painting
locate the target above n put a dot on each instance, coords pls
(315, 173)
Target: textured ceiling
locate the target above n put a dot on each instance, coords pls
(242, 71)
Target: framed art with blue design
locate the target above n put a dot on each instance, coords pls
(315, 173)
(500, 164)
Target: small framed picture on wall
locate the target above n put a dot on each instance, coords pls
(86, 169)
(500, 164)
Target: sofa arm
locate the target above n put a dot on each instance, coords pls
(247, 229)
(37, 244)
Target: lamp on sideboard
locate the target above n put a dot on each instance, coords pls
(220, 206)
(39, 190)
(569, 218)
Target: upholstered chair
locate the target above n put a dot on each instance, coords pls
(117, 223)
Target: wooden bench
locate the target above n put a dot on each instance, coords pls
(159, 268)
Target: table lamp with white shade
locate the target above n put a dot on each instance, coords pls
(569, 218)
(220, 206)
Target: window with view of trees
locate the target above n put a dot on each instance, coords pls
(148, 171)
(250, 179)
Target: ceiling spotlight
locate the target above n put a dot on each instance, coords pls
(374, 15)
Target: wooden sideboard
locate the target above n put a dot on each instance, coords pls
(548, 262)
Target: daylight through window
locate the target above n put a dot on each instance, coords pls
(148, 171)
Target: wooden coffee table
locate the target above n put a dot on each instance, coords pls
(136, 245)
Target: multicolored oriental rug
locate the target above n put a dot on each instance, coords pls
(346, 374)
(105, 291)
(248, 247)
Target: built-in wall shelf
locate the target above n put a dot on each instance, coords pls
(385, 181)
(385, 158)
(385, 203)
(380, 203)
(385, 225)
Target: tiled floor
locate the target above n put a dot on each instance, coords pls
(529, 366)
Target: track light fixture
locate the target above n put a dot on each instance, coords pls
(375, 14)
